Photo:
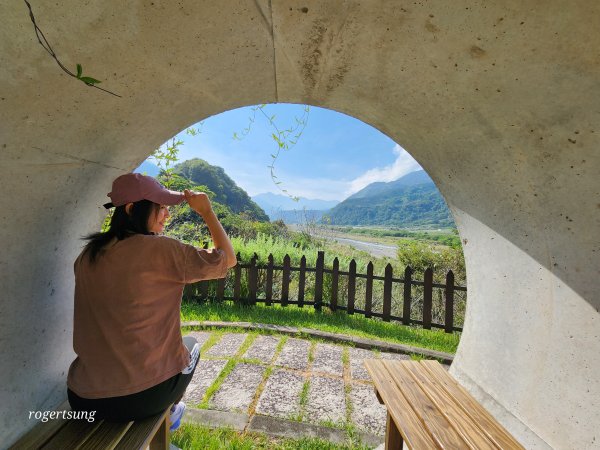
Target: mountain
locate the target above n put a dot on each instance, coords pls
(148, 168)
(279, 206)
(411, 201)
(226, 191)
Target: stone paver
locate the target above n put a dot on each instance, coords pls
(206, 373)
(326, 400)
(201, 336)
(394, 356)
(280, 398)
(367, 413)
(228, 345)
(328, 359)
(281, 395)
(357, 367)
(294, 354)
(263, 349)
(238, 390)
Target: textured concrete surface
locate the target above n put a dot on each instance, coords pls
(496, 100)
(328, 359)
(238, 390)
(228, 345)
(206, 373)
(326, 400)
(294, 354)
(281, 395)
(367, 413)
(357, 357)
(263, 349)
(200, 336)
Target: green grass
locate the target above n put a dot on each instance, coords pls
(193, 437)
(338, 322)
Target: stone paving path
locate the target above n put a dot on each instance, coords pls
(287, 378)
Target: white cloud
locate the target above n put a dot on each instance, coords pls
(403, 164)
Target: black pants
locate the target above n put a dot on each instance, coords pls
(142, 404)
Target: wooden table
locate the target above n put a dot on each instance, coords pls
(428, 409)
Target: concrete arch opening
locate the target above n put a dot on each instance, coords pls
(498, 103)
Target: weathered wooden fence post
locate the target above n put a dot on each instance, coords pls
(351, 286)
(335, 276)
(369, 290)
(237, 280)
(301, 281)
(285, 282)
(387, 292)
(269, 281)
(252, 280)
(407, 295)
(203, 289)
(427, 298)
(319, 280)
(449, 294)
(221, 288)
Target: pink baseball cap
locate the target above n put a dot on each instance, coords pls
(133, 187)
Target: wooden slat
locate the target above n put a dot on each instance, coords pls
(220, 288)
(471, 407)
(140, 434)
(387, 293)
(301, 281)
(427, 298)
(449, 297)
(73, 434)
(319, 280)
(269, 281)
(393, 438)
(252, 280)
(237, 280)
(369, 290)
(285, 281)
(106, 437)
(42, 432)
(436, 423)
(468, 430)
(410, 426)
(335, 279)
(351, 286)
(407, 296)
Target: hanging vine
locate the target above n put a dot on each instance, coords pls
(284, 139)
(87, 80)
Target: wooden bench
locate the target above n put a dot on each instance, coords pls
(61, 434)
(428, 409)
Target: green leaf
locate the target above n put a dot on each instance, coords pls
(90, 81)
(79, 70)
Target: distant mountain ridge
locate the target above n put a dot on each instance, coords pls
(411, 201)
(283, 207)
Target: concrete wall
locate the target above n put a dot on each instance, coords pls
(497, 101)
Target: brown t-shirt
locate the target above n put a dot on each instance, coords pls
(126, 331)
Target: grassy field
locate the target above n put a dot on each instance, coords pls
(338, 322)
(192, 437)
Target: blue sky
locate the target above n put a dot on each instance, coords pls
(336, 155)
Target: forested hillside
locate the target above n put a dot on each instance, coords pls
(411, 201)
(224, 188)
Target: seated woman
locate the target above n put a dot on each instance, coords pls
(132, 361)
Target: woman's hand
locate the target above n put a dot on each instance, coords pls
(198, 201)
